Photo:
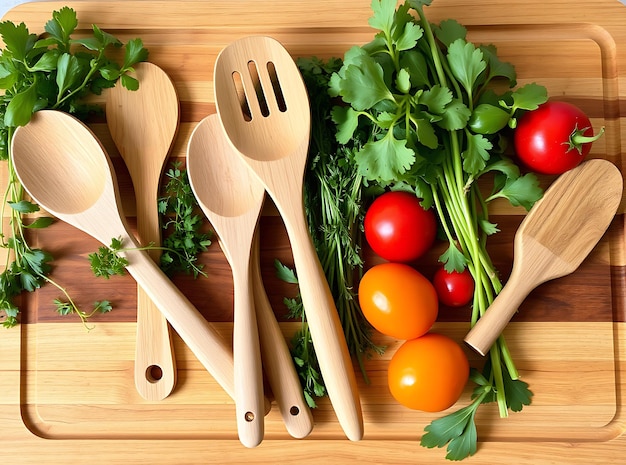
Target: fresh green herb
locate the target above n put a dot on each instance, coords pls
(333, 190)
(302, 349)
(68, 307)
(107, 261)
(184, 239)
(54, 72)
(435, 125)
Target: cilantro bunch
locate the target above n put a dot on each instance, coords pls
(427, 99)
(54, 71)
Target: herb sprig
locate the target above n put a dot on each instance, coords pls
(55, 71)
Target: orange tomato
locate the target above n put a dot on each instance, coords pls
(428, 373)
(398, 300)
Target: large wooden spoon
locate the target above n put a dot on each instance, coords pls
(263, 105)
(65, 169)
(143, 125)
(232, 197)
(553, 240)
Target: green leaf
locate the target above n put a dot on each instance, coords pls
(409, 37)
(8, 75)
(129, 82)
(436, 98)
(455, 117)
(68, 72)
(466, 62)
(449, 31)
(17, 39)
(453, 259)
(498, 68)
(425, 133)
(135, 53)
(90, 43)
(384, 13)
(476, 154)
(457, 429)
(24, 206)
(66, 20)
(47, 61)
(347, 121)
(284, 273)
(110, 72)
(363, 85)
(528, 97)
(105, 38)
(403, 81)
(385, 160)
(488, 227)
(415, 63)
(524, 191)
(517, 392)
(40, 223)
(103, 306)
(21, 107)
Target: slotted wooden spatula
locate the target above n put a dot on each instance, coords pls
(553, 240)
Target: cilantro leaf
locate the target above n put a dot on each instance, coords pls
(17, 39)
(21, 107)
(385, 160)
(384, 12)
(476, 155)
(449, 31)
(466, 62)
(453, 259)
(363, 84)
(522, 191)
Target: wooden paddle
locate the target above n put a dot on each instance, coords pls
(553, 240)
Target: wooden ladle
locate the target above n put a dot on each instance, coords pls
(263, 105)
(554, 238)
(143, 124)
(231, 198)
(65, 169)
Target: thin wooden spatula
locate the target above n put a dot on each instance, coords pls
(553, 240)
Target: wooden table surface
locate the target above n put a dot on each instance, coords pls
(68, 395)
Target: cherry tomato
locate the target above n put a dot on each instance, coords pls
(398, 300)
(397, 227)
(428, 373)
(554, 138)
(454, 289)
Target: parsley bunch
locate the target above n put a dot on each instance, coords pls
(54, 71)
(435, 125)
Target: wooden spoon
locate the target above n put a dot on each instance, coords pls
(143, 125)
(264, 108)
(553, 240)
(232, 197)
(65, 169)
(232, 204)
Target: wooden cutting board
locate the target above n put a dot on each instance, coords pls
(68, 394)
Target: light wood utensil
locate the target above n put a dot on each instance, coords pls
(143, 125)
(231, 197)
(554, 238)
(65, 169)
(232, 203)
(263, 105)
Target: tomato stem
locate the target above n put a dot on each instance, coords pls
(577, 139)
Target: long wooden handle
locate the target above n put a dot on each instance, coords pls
(155, 360)
(277, 362)
(249, 398)
(326, 330)
(487, 329)
(206, 344)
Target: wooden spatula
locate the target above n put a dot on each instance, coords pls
(553, 240)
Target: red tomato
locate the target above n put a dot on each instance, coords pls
(554, 138)
(398, 228)
(454, 289)
(398, 300)
(428, 373)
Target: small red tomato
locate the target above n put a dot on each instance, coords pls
(554, 138)
(398, 228)
(454, 289)
(398, 300)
